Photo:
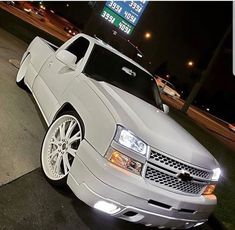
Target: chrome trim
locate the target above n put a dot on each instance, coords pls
(164, 165)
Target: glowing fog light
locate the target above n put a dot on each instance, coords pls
(216, 174)
(198, 224)
(106, 207)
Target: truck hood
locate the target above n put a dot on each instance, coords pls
(152, 125)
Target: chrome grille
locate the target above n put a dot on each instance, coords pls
(164, 171)
(159, 158)
(172, 182)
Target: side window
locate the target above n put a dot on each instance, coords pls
(78, 48)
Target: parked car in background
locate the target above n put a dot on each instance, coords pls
(110, 138)
(167, 88)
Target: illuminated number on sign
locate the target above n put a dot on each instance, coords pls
(108, 17)
(135, 7)
(115, 6)
(129, 16)
(124, 28)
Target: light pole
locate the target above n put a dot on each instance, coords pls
(204, 74)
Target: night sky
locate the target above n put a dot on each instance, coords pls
(181, 31)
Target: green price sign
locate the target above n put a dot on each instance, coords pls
(117, 21)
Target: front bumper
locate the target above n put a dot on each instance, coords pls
(92, 178)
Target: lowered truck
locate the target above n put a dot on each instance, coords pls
(110, 138)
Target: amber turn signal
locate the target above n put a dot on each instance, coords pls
(209, 189)
(125, 162)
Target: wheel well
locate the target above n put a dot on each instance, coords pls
(68, 107)
(26, 56)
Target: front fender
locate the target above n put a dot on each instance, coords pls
(100, 126)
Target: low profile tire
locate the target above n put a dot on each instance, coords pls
(22, 72)
(59, 147)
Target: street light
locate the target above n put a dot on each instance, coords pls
(190, 63)
(147, 35)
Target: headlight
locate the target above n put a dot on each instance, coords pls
(216, 174)
(130, 141)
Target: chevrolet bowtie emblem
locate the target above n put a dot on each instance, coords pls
(184, 176)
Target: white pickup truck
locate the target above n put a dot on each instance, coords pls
(110, 138)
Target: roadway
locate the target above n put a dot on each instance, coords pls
(214, 125)
(51, 23)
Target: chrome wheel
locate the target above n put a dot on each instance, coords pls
(60, 146)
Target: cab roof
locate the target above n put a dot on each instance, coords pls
(100, 42)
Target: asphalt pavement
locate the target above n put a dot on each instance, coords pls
(30, 202)
(21, 127)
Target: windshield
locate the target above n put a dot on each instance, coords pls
(103, 65)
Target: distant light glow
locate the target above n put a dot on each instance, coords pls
(147, 35)
(27, 10)
(42, 7)
(190, 63)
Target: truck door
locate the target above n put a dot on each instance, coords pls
(54, 77)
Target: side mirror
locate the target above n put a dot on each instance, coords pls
(67, 58)
(166, 108)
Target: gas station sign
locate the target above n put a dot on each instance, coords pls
(124, 15)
